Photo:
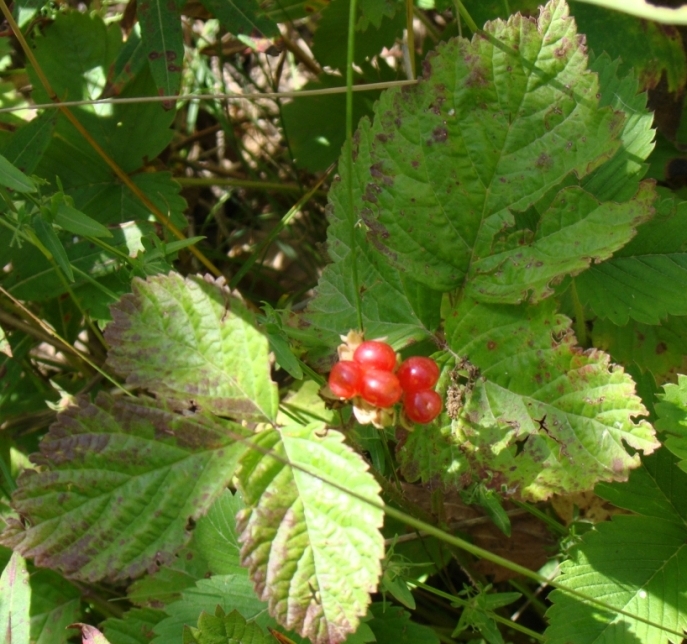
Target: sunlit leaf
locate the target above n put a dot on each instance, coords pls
(489, 131)
(221, 628)
(633, 563)
(15, 601)
(189, 341)
(313, 551)
(538, 415)
(120, 481)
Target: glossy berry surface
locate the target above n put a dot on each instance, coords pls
(417, 374)
(422, 406)
(380, 388)
(376, 355)
(345, 379)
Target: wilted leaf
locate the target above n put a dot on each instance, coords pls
(313, 551)
(187, 340)
(120, 480)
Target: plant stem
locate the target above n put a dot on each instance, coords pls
(353, 5)
(466, 604)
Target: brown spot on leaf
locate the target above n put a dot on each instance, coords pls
(440, 134)
(661, 348)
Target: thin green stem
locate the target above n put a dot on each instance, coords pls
(467, 17)
(467, 604)
(226, 96)
(542, 516)
(349, 160)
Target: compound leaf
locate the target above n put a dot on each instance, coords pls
(221, 628)
(386, 297)
(119, 483)
(657, 348)
(672, 418)
(313, 550)
(230, 592)
(634, 563)
(490, 130)
(189, 341)
(618, 178)
(543, 416)
(647, 279)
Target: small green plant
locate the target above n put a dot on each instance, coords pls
(497, 259)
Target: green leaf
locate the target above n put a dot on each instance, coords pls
(241, 17)
(55, 604)
(488, 133)
(28, 144)
(573, 232)
(76, 222)
(643, 9)
(661, 52)
(73, 52)
(618, 178)
(230, 592)
(539, 415)
(119, 483)
(163, 43)
(221, 628)
(646, 280)
(165, 585)
(386, 297)
(135, 627)
(316, 125)
(15, 601)
(216, 536)
(330, 41)
(658, 348)
(110, 202)
(392, 625)
(313, 551)
(374, 11)
(13, 178)
(672, 418)
(188, 340)
(633, 563)
(51, 242)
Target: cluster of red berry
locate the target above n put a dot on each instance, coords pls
(373, 376)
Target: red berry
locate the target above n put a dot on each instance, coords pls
(345, 379)
(422, 406)
(380, 388)
(376, 355)
(417, 374)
